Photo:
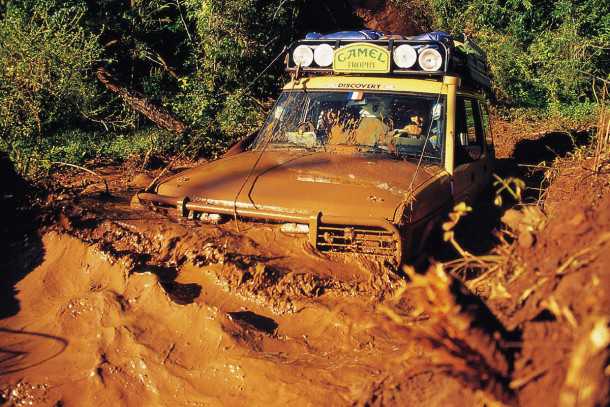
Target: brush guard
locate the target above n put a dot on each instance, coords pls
(327, 233)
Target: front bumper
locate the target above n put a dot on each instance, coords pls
(326, 232)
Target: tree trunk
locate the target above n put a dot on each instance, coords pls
(139, 103)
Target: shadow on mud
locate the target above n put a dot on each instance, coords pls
(23, 256)
(179, 293)
(530, 161)
(532, 158)
(16, 360)
(21, 245)
(249, 319)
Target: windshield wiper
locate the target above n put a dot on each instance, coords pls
(417, 156)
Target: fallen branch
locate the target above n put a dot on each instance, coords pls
(139, 103)
(86, 170)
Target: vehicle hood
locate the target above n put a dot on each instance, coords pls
(301, 183)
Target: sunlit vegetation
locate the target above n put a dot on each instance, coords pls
(201, 60)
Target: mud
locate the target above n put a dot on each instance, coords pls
(550, 275)
(106, 304)
(116, 305)
(561, 289)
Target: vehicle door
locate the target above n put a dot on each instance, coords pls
(469, 175)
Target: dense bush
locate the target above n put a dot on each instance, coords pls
(196, 58)
(543, 54)
(45, 81)
(234, 42)
(199, 58)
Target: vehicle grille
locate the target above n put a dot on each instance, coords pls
(359, 239)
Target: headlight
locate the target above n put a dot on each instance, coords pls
(430, 60)
(303, 56)
(324, 55)
(405, 56)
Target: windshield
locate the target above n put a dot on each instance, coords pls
(401, 125)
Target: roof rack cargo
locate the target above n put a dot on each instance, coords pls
(430, 54)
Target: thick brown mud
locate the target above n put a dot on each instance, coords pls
(116, 305)
(107, 304)
(95, 327)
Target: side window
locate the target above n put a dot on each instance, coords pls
(469, 131)
(486, 124)
(472, 126)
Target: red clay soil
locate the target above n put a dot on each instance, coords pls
(564, 289)
(110, 305)
(107, 304)
(407, 18)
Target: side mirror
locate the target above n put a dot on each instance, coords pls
(241, 145)
(463, 139)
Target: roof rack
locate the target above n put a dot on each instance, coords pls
(460, 56)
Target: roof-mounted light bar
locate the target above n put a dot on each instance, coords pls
(424, 57)
(432, 56)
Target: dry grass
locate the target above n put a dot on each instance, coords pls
(586, 381)
(485, 275)
(449, 334)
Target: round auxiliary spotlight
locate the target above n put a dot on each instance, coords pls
(324, 55)
(405, 56)
(430, 60)
(303, 56)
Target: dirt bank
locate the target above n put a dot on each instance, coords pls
(404, 17)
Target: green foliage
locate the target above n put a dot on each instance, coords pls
(79, 146)
(542, 54)
(46, 57)
(235, 41)
(195, 58)
(199, 58)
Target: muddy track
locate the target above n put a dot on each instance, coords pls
(107, 304)
(148, 309)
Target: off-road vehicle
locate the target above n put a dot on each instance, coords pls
(370, 144)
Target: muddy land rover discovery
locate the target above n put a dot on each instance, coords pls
(368, 147)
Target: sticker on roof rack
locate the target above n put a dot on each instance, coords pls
(362, 58)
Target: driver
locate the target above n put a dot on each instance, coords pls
(375, 125)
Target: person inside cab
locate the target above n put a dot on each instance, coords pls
(366, 124)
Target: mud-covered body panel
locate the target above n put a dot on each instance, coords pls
(336, 184)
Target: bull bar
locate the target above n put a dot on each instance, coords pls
(317, 222)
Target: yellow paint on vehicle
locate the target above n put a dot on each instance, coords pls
(452, 84)
(367, 84)
(362, 58)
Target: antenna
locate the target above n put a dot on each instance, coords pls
(423, 151)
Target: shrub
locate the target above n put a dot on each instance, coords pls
(235, 41)
(541, 54)
(46, 57)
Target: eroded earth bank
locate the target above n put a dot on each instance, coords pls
(105, 304)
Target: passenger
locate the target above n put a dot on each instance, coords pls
(414, 127)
